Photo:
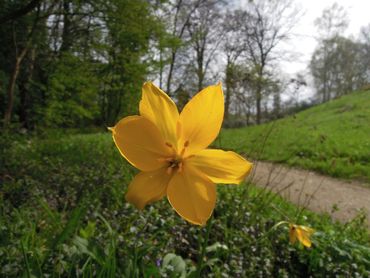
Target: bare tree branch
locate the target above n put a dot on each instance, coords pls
(20, 12)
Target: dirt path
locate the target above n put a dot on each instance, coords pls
(342, 199)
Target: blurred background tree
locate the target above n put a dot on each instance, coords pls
(70, 63)
(339, 65)
(74, 63)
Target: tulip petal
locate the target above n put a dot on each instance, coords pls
(148, 187)
(192, 195)
(201, 119)
(158, 107)
(221, 166)
(307, 230)
(292, 234)
(303, 237)
(140, 142)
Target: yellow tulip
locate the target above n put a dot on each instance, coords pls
(170, 151)
(302, 233)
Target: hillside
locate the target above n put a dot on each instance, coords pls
(331, 138)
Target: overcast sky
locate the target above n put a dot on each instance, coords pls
(304, 41)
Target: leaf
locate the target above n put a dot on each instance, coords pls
(216, 246)
(68, 230)
(71, 226)
(176, 262)
(90, 248)
(89, 230)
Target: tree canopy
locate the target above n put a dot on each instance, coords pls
(70, 63)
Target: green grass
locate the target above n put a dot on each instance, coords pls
(62, 213)
(332, 138)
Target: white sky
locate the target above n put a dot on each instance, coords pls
(304, 41)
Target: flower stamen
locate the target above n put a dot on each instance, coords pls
(164, 159)
(186, 144)
(174, 163)
(171, 147)
(179, 169)
(169, 170)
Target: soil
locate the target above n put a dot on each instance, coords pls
(342, 199)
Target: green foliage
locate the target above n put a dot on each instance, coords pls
(72, 93)
(332, 138)
(62, 212)
(130, 28)
(84, 64)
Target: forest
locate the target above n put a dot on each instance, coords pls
(82, 63)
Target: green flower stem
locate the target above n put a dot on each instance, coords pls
(202, 247)
(273, 229)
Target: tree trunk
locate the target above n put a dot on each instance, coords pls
(160, 67)
(228, 89)
(258, 106)
(200, 71)
(66, 35)
(248, 115)
(169, 77)
(11, 87)
(24, 93)
(259, 91)
(200, 80)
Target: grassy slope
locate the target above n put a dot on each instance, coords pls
(332, 138)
